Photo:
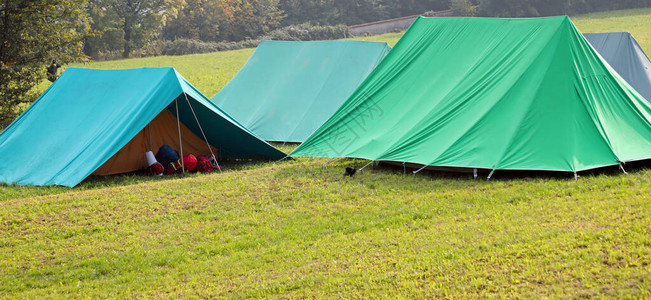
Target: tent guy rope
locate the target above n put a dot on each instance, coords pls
(202, 133)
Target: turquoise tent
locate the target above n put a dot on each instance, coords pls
(88, 116)
(624, 54)
(496, 94)
(286, 90)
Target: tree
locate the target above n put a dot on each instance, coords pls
(301, 11)
(32, 34)
(401, 8)
(252, 18)
(138, 21)
(232, 20)
(199, 19)
(330, 12)
(106, 36)
(508, 8)
(463, 8)
(353, 12)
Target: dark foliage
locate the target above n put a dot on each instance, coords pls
(301, 32)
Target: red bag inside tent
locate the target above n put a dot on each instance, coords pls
(189, 162)
(203, 164)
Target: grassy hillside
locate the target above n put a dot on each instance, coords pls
(300, 230)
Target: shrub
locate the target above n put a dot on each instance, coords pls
(307, 32)
(301, 32)
(185, 46)
(463, 8)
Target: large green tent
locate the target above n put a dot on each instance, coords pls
(516, 94)
(624, 54)
(87, 116)
(286, 90)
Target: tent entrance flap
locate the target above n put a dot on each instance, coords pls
(162, 130)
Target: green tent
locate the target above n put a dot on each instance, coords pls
(88, 118)
(516, 94)
(286, 90)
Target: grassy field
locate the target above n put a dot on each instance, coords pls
(299, 230)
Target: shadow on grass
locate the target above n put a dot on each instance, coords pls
(509, 175)
(336, 169)
(15, 191)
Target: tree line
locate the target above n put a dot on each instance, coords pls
(128, 25)
(35, 32)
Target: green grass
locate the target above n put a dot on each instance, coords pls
(635, 21)
(209, 72)
(299, 230)
(389, 38)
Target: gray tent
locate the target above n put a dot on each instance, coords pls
(625, 55)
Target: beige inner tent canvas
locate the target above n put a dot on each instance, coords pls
(162, 130)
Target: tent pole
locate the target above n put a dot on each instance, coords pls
(621, 167)
(490, 175)
(331, 161)
(423, 168)
(474, 173)
(366, 165)
(149, 134)
(404, 168)
(178, 125)
(202, 133)
(576, 176)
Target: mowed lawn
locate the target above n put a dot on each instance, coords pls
(296, 229)
(300, 230)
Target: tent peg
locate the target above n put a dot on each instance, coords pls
(490, 175)
(576, 176)
(621, 167)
